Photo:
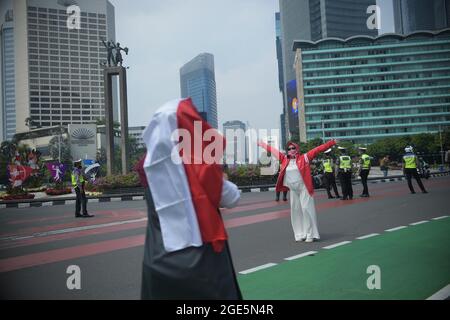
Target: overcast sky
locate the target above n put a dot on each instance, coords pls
(164, 35)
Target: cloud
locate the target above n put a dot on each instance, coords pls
(164, 35)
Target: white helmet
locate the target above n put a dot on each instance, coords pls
(409, 149)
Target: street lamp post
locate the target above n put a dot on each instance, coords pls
(442, 148)
(59, 144)
(323, 131)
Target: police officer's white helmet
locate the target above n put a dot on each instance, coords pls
(328, 151)
(409, 149)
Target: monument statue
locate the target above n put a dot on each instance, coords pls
(119, 59)
(109, 49)
(114, 57)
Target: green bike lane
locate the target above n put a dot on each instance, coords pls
(414, 263)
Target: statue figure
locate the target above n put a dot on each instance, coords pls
(119, 59)
(109, 47)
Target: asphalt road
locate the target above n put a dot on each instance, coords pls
(37, 245)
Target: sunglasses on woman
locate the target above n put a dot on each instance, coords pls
(289, 149)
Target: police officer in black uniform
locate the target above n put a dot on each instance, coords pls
(410, 163)
(364, 163)
(329, 174)
(344, 164)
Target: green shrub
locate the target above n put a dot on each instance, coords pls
(130, 180)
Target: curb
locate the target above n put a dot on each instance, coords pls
(140, 196)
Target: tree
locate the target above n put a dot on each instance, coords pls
(53, 147)
(30, 123)
(102, 122)
(8, 149)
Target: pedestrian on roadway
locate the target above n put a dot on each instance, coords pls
(295, 173)
(344, 163)
(410, 163)
(384, 165)
(186, 254)
(364, 165)
(78, 184)
(330, 174)
(278, 190)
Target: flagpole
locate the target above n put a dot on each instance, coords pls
(59, 144)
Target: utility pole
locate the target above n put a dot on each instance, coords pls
(323, 131)
(442, 148)
(59, 146)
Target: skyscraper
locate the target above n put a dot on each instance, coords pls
(420, 15)
(315, 20)
(363, 89)
(58, 77)
(7, 94)
(197, 80)
(278, 43)
(236, 151)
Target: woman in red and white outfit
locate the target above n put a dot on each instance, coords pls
(295, 174)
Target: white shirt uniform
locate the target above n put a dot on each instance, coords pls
(303, 210)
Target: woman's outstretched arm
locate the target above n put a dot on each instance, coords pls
(324, 147)
(273, 151)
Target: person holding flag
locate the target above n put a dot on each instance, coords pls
(295, 174)
(186, 253)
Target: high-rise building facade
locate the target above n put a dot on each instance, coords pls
(58, 67)
(279, 50)
(237, 150)
(197, 81)
(136, 132)
(363, 89)
(421, 15)
(7, 95)
(314, 20)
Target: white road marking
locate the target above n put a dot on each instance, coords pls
(138, 198)
(395, 229)
(337, 244)
(309, 253)
(368, 236)
(442, 294)
(255, 189)
(115, 199)
(264, 266)
(418, 222)
(69, 230)
(439, 218)
(24, 205)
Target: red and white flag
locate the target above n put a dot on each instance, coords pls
(186, 185)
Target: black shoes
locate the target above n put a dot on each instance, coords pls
(424, 191)
(284, 199)
(330, 197)
(84, 215)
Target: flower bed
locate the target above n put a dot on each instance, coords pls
(58, 192)
(27, 196)
(115, 183)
